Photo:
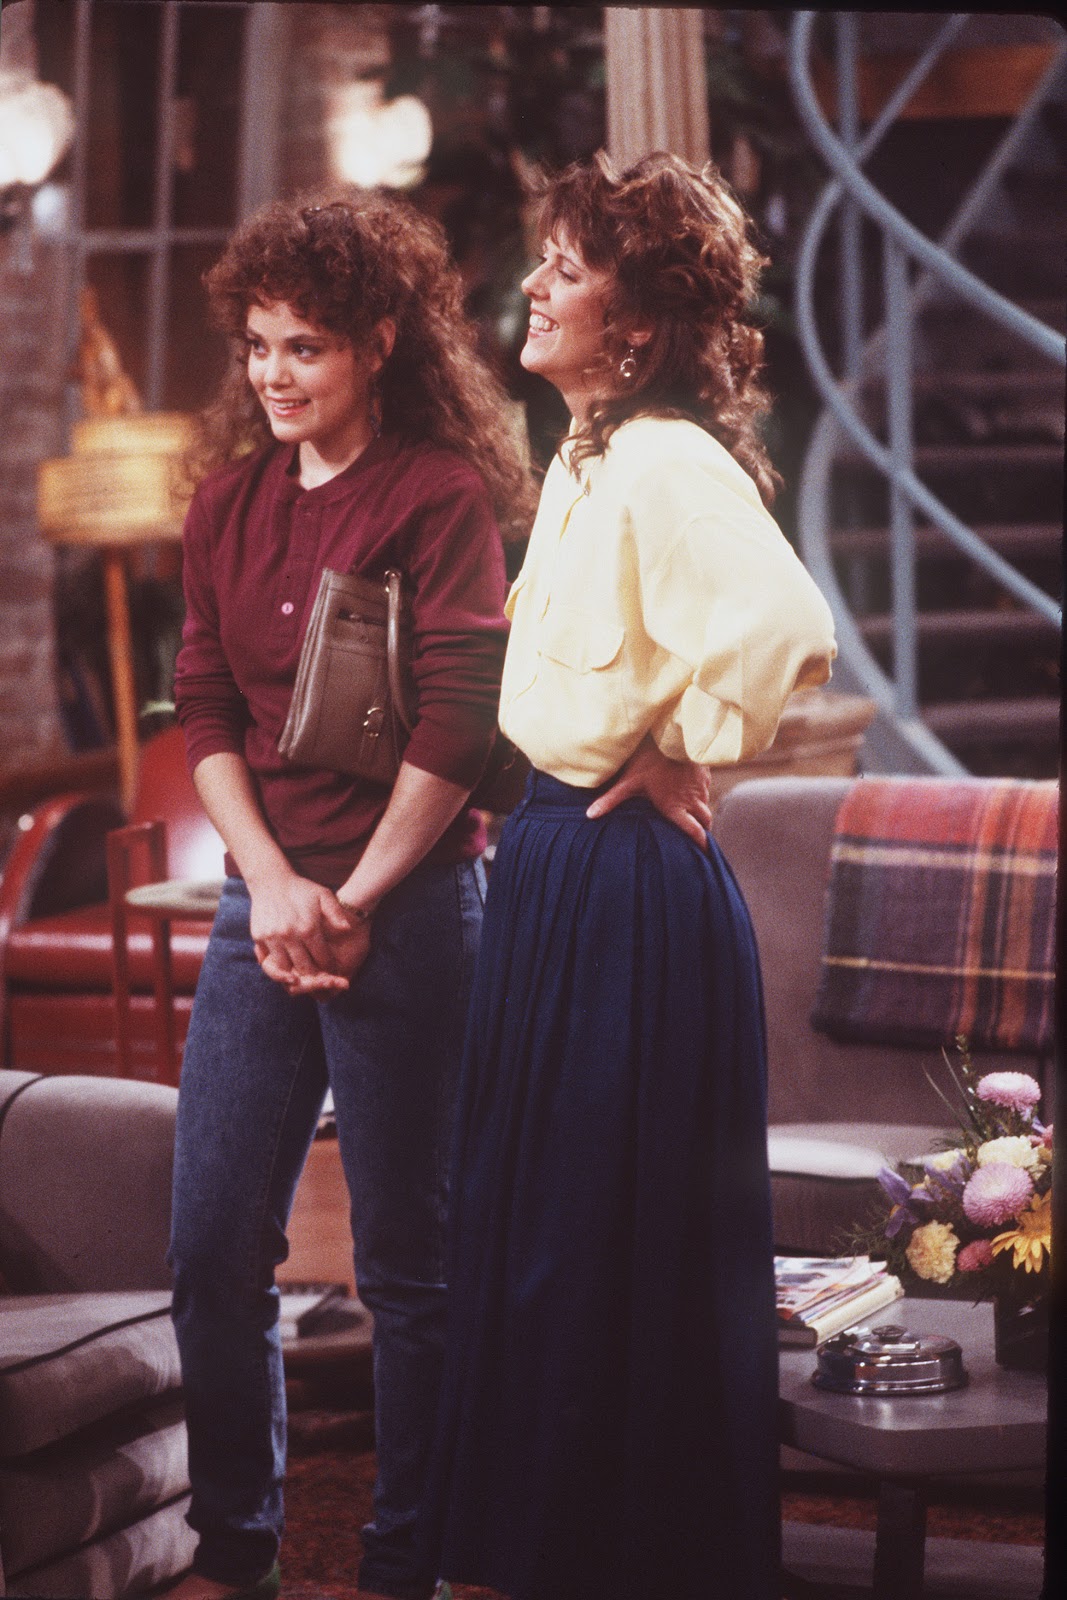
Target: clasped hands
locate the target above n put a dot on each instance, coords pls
(306, 939)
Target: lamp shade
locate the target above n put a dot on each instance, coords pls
(376, 141)
(118, 487)
(36, 126)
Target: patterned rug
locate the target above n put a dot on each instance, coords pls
(331, 1472)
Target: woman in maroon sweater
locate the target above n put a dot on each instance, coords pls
(357, 429)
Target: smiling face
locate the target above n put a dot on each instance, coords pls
(314, 387)
(565, 340)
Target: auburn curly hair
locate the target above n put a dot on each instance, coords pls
(344, 259)
(681, 259)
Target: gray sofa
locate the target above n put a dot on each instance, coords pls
(93, 1470)
(837, 1110)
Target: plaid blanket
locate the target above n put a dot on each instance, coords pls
(941, 914)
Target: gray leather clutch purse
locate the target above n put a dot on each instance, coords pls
(353, 698)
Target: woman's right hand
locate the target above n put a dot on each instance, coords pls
(679, 790)
(294, 925)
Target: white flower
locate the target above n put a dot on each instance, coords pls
(1014, 1150)
(943, 1160)
(931, 1252)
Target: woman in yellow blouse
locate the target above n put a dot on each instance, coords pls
(607, 1429)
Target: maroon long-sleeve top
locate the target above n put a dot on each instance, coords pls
(255, 544)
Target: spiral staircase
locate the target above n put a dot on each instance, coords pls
(931, 502)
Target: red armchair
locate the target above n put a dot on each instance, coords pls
(57, 1011)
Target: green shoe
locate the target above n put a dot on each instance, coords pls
(266, 1588)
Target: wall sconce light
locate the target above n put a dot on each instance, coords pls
(374, 142)
(36, 128)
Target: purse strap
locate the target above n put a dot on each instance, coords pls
(392, 647)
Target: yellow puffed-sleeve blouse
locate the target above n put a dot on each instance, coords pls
(657, 596)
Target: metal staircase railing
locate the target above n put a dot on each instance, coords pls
(887, 353)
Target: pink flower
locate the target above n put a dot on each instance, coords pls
(996, 1194)
(974, 1256)
(1017, 1091)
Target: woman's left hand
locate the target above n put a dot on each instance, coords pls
(348, 950)
(678, 789)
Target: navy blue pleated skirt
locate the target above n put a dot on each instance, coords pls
(607, 1425)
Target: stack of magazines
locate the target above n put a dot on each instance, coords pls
(303, 1305)
(819, 1296)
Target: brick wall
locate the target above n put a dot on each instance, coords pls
(31, 383)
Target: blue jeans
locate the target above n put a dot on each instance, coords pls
(256, 1069)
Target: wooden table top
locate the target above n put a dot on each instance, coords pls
(177, 897)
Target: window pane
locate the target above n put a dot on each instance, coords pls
(120, 283)
(207, 115)
(122, 114)
(196, 354)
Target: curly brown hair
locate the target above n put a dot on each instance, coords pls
(682, 261)
(345, 259)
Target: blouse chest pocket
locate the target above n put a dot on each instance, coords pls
(579, 639)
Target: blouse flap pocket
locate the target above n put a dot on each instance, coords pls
(579, 639)
(513, 594)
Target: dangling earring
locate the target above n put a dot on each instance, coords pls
(628, 366)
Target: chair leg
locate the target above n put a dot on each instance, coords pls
(147, 839)
(167, 1068)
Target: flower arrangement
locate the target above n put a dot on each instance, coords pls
(977, 1214)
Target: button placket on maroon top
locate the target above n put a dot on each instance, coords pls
(301, 563)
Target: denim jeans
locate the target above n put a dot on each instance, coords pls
(257, 1065)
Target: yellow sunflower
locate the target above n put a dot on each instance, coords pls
(1031, 1237)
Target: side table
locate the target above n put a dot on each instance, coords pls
(162, 902)
(996, 1423)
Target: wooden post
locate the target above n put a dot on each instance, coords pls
(657, 92)
(123, 688)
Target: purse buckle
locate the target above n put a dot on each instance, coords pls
(372, 722)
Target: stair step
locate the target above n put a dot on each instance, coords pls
(1049, 309)
(970, 458)
(987, 384)
(995, 721)
(946, 314)
(1022, 262)
(985, 626)
(1043, 231)
(985, 457)
(1034, 187)
(1016, 541)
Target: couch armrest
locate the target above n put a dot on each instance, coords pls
(85, 1174)
(56, 863)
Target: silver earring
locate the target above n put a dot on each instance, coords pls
(628, 366)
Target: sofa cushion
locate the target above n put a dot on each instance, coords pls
(824, 1178)
(776, 834)
(85, 1179)
(67, 1360)
(13, 1084)
(72, 950)
(815, 1157)
(132, 1561)
(81, 1489)
(847, 1149)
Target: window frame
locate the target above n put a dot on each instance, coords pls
(257, 164)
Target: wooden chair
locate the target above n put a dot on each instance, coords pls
(57, 965)
(149, 894)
